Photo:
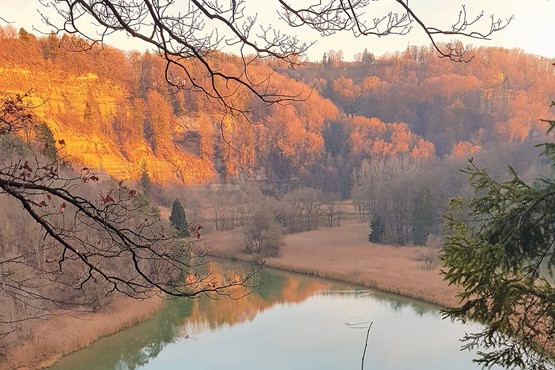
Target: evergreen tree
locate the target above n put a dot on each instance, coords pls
(368, 58)
(144, 179)
(50, 47)
(501, 254)
(377, 231)
(423, 216)
(46, 140)
(178, 219)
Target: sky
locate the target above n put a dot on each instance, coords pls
(531, 30)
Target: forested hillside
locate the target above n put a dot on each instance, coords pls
(410, 120)
(114, 111)
(461, 108)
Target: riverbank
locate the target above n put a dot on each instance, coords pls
(66, 333)
(344, 253)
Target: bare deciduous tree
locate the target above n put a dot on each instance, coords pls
(88, 239)
(263, 234)
(91, 245)
(189, 35)
(429, 255)
(333, 16)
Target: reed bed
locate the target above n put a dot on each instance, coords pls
(345, 254)
(342, 253)
(66, 333)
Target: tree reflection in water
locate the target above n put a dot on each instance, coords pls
(271, 329)
(183, 319)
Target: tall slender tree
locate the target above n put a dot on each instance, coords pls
(178, 219)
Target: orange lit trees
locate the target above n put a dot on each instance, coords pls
(370, 137)
(289, 137)
(292, 145)
(91, 246)
(179, 36)
(159, 121)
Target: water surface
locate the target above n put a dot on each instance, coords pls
(289, 322)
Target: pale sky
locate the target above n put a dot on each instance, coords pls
(532, 29)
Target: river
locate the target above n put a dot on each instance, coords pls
(289, 322)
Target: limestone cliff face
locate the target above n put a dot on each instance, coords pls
(85, 113)
(116, 113)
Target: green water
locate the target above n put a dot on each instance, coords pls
(288, 322)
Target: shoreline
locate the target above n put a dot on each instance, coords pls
(344, 254)
(63, 334)
(341, 254)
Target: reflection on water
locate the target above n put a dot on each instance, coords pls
(288, 322)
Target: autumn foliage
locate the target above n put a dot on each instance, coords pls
(499, 96)
(115, 111)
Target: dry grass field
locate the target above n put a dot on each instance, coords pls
(341, 253)
(344, 253)
(65, 333)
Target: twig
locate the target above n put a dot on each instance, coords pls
(366, 344)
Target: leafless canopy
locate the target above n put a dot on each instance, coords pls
(189, 35)
(74, 239)
(87, 239)
(340, 15)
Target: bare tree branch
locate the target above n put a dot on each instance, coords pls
(92, 246)
(190, 36)
(350, 15)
